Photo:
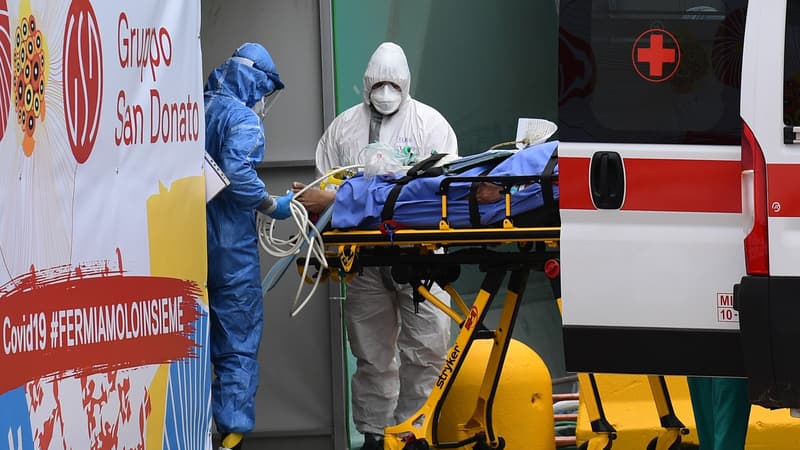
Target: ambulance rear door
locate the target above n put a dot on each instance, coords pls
(769, 295)
(650, 185)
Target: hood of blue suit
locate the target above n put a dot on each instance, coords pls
(242, 81)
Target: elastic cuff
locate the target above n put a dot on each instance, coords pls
(268, 205)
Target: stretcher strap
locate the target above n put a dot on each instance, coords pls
(547, 179)
(474, 212)
(425, 168)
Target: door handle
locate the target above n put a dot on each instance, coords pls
(607, 180)
(791, 135)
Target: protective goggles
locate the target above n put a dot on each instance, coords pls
(263, 106)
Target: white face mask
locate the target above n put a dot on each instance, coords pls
(386, 99)
(263, 106)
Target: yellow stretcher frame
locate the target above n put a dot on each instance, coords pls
(534, 249)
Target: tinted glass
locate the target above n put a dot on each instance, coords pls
(791, 71)
(662, 72)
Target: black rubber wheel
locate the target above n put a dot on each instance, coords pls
(480, 445)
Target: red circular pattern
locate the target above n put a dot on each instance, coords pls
(5, 68)
(82, 78)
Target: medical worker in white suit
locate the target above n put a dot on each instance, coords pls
(380, 314)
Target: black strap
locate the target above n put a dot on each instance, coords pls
(388, 208)
(547, 179)
(474, 212)
(424, 168)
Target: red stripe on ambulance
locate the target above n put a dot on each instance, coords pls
(783, 191)
(660, 185)
(573, 183)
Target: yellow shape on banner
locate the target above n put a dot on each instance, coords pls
(176, 225)
(158, 405)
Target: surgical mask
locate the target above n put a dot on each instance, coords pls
(263, 106)
(386, 99)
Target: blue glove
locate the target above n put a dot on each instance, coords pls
(282, 207)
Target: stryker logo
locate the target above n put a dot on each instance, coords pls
(449, 366)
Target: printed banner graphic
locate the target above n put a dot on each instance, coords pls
(103, 308)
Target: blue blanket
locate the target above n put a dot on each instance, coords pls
(360, 200)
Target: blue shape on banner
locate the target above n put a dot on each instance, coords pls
(15, 423)
(187, 425)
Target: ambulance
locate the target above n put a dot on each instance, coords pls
(679, 159)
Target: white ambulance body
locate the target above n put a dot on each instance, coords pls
(680, 187)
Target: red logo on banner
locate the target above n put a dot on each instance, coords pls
(5, 67)
(656, 55)
(82, 59)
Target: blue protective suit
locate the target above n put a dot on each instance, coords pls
(235, 139)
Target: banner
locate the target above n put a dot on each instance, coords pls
(103, 308)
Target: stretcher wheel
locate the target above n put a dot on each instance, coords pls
(674, 446)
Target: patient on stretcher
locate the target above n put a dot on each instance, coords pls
(361, 202)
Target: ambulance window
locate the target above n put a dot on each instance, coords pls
(791, 71)
(656, 72)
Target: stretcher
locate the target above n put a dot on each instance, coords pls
(421, 257)
(390, 202)
(504, 250)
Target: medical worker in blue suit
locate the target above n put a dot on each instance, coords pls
(238, 94)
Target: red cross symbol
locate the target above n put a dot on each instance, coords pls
(653, 52)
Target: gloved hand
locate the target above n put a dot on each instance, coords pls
(282, 207)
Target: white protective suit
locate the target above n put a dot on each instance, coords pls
(380, 320)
